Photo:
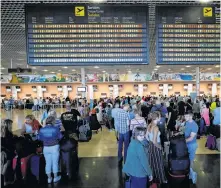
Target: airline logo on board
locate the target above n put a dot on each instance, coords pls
(207, 11)
(79, 11)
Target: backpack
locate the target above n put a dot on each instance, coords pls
(85, 132)
(178, 147)
(211, 142)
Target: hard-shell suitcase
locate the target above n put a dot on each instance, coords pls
(178, 147)
(21, 166)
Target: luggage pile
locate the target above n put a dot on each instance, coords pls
(29, 163)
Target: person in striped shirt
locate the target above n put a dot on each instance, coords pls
(138, 121)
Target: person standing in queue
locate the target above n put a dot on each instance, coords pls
(123, 132)
(137, 165)
(69, 120)
(191, 129)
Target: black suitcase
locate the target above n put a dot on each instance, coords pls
(37, 169)
(178, 147)
(178, 181)
(179, 166)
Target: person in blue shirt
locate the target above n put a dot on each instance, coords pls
(191, 130)
(216, 114)
(50, 135)
(137, 165)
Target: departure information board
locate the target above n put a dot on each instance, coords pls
(87, 35)
(188, 35)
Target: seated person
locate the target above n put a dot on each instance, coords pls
(31, 126)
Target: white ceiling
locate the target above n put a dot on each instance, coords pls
(13, 41)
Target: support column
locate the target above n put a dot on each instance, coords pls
(165, 89)
(83, 81)
(14, 92)
(65, 91)
(39, 92)
(214, 89)
(116, 91)
(90, 92)
(189, 89)
(197, 81)
(140, 90)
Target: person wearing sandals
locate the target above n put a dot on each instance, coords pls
(137, 165)
(155, 149)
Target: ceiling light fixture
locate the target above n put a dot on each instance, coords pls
(59, 70)
(205, 1)
(65, 67)
(52, 72)
(73, 70)
(155, 69)
(209, 69)
(45, 70)
(33, 67)
(129, 71)
(2, 68)
(182, 69)
(157, 66)
(96, 67)
(188, 66)
(217, 66)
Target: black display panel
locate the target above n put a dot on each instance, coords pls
(87, 35)
(188, 35)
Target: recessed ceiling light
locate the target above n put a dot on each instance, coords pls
(182, 68)
(52, 72)
(20, 59)
(209, 69)
(103, 71)
(33, 67)
(217, 66)
(2, 68)
(205, 1)
(45, 70)
(96, 67)
(188, 66)
(73, 70)
(129, 71)
(155, 69)
(59, 70)
(169, 69)
(157, 66)
(65, 67)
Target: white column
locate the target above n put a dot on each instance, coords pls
(65, 91)
(39, 92)
(90, 92)
(197, 81)
(14, 92)
(189, 89)
(116, 91)
(83, 80)
(165, 89)
(104, 77)
(214, 89)
(140, 90)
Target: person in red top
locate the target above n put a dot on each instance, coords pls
(31, 125)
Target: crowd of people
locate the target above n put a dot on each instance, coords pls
(141, 124)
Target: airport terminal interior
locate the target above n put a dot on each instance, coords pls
(112, 70)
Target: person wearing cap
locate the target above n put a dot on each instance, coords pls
(191, 130)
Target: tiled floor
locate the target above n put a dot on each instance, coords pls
(98, 161)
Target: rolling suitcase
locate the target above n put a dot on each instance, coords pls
(21, 166)
(178, 170)
(37, 169)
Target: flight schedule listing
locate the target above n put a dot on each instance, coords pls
(188, 34)
(87, 34)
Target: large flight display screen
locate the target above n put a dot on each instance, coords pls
(87, 35)
(188, 35)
